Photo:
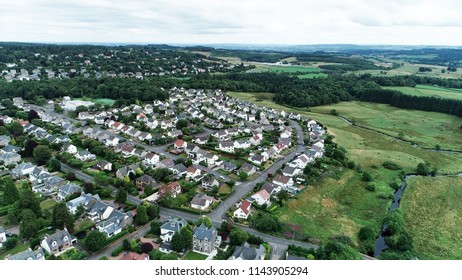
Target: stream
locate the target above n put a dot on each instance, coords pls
(380, 244)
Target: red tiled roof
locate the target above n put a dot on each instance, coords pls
(245, 207)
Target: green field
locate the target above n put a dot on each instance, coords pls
(304, 72)
(432, 208)
(312, 75)
(193, 256)
(102, 101)
(341, 205)
(423, 90)
(427, 129)
(47, 204)
(413, 69)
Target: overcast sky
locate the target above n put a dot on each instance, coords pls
(403, 22)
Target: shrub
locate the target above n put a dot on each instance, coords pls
(117, 251)
(391, 165)
(146, 247)
(370, 187)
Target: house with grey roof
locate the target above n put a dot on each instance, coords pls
(205, 239)
(248, 253)
(10, 159)
(67, 190)
(4, 140)
(57, 243)
(168, 229)
(28, 255)
(11, 149)
(201, 201)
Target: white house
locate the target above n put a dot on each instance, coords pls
(168, 229)
(262, 197)
(283, 181)
(226, 146)
(201, 201)
(243, 211)
(57, 243)
(69, 148)
(2, 237)
(151, 159)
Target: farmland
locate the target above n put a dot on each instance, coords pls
(423, 90)
(431, 207)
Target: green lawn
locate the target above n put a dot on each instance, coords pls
(339, 206)
(225, 189)
(432, 208)
(312, 75)
(413, 69)
(423, 90)
(47, 204)
(19, 248)
(424, 128)
(193, 256)
(102, 101)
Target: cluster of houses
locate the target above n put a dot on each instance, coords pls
(44, 183)
(90, 65)
(109, 220)
(288, 179)
(9, 154)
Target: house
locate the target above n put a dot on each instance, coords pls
(69, 148)
(248, 168)
(301, 161)
(165, 163)
(257, 159)
(248, 253)
(10, 159)
(103, 165)
(227, 146)
(166, 247)
(85, 155)
(28, 255)
(229, 166)
(132, 256)
(10, 149)
(144, 181)
(255, 140)
(212, 159)
(173, 189)
(290, 171)
(4, 140)
(170, 227)
(205, 239)
(193, 173)
(151, 159)
(125, 171)
(2, 237)
(242, 144)
(202, 140)
(210, 182)
(283, 181)
(67, 190)
(243, 211)
(178, 169)
(261, 197)
(201, 201)
(57, 243)
(271, 188)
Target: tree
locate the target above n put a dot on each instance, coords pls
(267, 223)
(155, 228)
(29, 200)
(42, 154)
(29, 147)
(10, 192)
(366, 233)
(10, 243)
(182, 123)
(243, 175)
(335, 250)
(95, 241)
(88, 187)
(61, 218)
(141, 217)
(16, 129)
(71, 176)
(182, 240)
(54, 164)
(205, 220)
(238, 236)
(58, 108)
(394, 222)
(423, 169)
(121, 196)
(32, 115)
(29, 225)
(153, 211)
(366, 177)
(283, 195)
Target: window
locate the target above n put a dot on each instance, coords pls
(54, 243)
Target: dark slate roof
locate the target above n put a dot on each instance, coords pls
(203, 232)
(174, 224)
(247, 253)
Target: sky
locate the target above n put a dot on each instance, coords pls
(282, 22)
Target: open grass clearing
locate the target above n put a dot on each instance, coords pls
(193, 256)
(48, 204)
(430, 91)
(413, 69)
(432, 208)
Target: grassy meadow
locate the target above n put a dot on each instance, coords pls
(432, 208)
(423, 90)
(413, 69)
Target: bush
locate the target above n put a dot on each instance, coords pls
(391, 165)
(366, 177)
(370, 187)
(117, 251)
(146, 247)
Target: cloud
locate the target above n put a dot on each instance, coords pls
(237, 21)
